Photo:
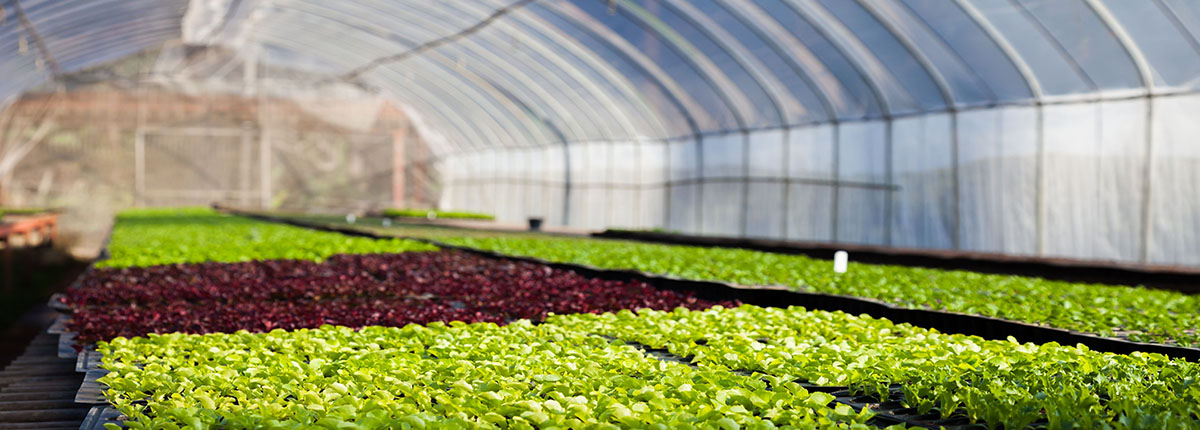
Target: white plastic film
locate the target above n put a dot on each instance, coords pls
(923, 213)
(997, 171)
(721, 208)
(1175, 183)
(723, 156)
(765, 210)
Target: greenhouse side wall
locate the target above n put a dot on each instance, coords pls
(1062, 180)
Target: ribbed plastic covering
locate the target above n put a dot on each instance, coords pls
(1034, 127)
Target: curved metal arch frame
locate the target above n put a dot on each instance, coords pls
(499, 105)
(617, 78)
(441, 112)
(519, 107)
(734, 48)
(736, 101)
(769, 33)
(576, 75)
(458, 89)
(591, 90)
(874, 8)
(1143, 68)
(518, 79)
(687, 106)
(541, 83)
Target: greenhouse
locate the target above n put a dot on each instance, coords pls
(599, 214)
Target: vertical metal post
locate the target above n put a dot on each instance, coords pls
(246, 194)
(264, 157)
(398, 171)
(139, 166)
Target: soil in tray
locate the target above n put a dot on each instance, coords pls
(349, 290)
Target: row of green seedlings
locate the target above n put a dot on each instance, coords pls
(577, 371)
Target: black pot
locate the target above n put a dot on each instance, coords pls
(535, 224)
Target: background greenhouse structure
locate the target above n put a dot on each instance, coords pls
(1057, 128)
(599, 214)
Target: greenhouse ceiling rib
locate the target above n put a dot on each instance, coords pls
(588, 70)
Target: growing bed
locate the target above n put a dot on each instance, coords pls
(207, 320)
(1139, 314)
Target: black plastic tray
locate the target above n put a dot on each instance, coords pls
(99, 416)
(92, 392)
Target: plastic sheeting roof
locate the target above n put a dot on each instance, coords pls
(536, 72)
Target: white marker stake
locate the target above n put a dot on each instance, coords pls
(350, 218)
(841, 260)
(387, 222)
(431, 215)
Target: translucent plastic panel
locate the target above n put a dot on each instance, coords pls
(1174, 179)
(624, 208)
(577, 164)
(529, 91)
(907, 71)
(722, 208)
(765, 209)
(767, 156)
(652, 163)
(683, 159)
(854, 97)
(597, 162)
(447, 95)
(810, 212)
(723, 156)
(624, 164)
(802, 105)
(923, 213)
(529, 66)
(1187, 13)
(82, 34)
(862, 152)
(1088, 40)
(737, 84)
(653, 204)
(556, 208)
(964, 84)
(684, 207)
(973, 45)
(589, 207)
(862, 215)
(653, 92)
(1093, 178)
(811, 153)
(556, 159)
(997, 176)
(1055, 73)
(508, 207)
(1167, 49)
(717, 114)
(535, 201)
(592, 68)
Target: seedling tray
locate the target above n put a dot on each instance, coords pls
(88, 361)
(92, 392)
(101, 415)
(56, 303)
(60, 325)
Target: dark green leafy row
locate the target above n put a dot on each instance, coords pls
(745, 367)
(456, 376)
(150, 237)
(999, 382)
